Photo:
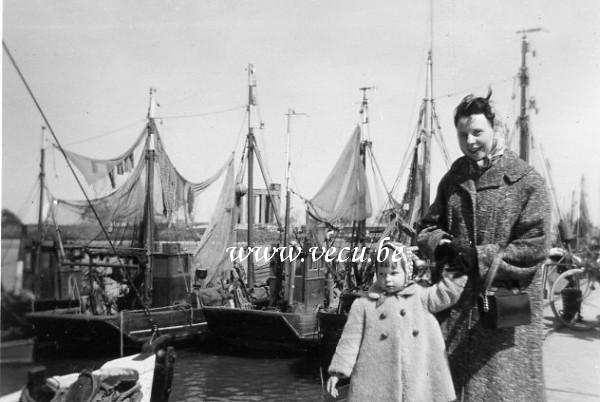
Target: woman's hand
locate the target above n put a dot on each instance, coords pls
(331, 385)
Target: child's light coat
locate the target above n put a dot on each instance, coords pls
(392, 346)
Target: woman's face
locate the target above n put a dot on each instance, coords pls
(475, 136)
(391, 276)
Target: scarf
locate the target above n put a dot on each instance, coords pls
(476, 168)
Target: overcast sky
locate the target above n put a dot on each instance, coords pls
(91, 64)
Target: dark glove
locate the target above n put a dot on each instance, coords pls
(459, 258)
(466, 258)
(446, 252)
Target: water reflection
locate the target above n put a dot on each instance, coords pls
(204, 376)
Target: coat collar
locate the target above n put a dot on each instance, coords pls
(508, 166)
(379, 295)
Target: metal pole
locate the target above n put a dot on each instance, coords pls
(250, 157)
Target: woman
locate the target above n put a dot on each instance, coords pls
(490, 200)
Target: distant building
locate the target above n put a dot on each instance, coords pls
(265, 208)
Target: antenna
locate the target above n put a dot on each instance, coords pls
(530, 30)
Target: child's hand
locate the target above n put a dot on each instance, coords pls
(331, 383)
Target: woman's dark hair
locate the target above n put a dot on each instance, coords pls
(475, 105)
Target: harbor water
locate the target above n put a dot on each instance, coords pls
(205, 374)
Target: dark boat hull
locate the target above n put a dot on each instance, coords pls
(16, 351)
(263, 330)
(331, 325)
(68, 329)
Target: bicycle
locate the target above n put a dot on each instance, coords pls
(575, 293)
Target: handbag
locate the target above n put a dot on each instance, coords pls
(502, 307)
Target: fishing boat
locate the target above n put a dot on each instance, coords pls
(146, 376)
(129, 285)
(142, 285)
(274, 303)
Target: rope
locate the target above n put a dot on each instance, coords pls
(107, 134)
(440, 138)
(185, 116)
(409, 150)
(471, 89)
(267, 184)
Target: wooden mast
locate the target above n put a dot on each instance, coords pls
(364, 143)
(250, 159)
(42, 179)
(425, 164)
(524, 83)
(149, 238)
(288, 266)
(426, 138)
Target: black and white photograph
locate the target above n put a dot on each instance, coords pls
(334, 200)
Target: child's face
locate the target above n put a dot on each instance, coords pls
(391, 276)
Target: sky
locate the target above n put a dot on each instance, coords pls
(90, 65)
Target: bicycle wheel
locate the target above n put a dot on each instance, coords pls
(575, 300)
(548, 278)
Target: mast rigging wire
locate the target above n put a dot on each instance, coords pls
(112, 132)
(185, 116)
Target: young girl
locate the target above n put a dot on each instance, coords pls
(392, 347)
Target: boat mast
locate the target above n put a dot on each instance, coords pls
(426, 138)
(42, 180)
(288, 171)
(524, 83)
(289, 268)
(250, 159)
(364, 143)
(149, 240)
(425, 167)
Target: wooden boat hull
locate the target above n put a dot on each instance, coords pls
(16, 351)
(331, 325)
(263, 330)
(69, 329)
(155, 370)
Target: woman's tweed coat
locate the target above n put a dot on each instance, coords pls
(392, 347)
(506, 206)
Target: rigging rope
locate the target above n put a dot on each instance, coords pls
(440, 138)
(471, 89)
(185, 116)
(137, 122)
(268, 185)
(408, 152)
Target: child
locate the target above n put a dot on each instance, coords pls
(392, 346)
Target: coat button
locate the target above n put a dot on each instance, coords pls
(402, 312)
(382, 316)
(383, 337)
(415, 332)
